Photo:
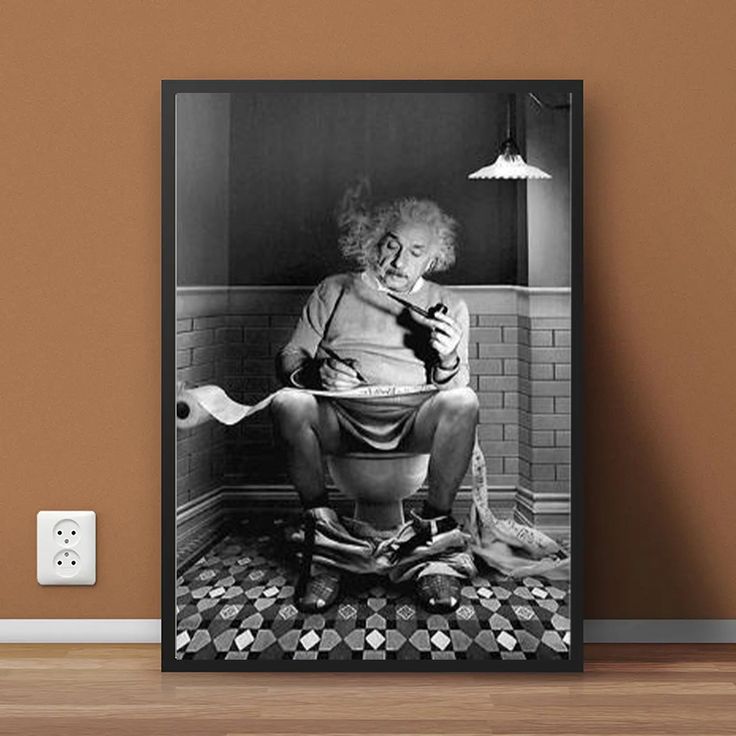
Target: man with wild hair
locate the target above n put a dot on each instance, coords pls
(379, 341)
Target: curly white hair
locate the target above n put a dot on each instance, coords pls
(362, 229)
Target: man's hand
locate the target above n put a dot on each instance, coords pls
(337, 376)
(445, 336)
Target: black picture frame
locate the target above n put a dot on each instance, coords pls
(169, 91)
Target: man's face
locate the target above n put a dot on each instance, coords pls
(404, 255)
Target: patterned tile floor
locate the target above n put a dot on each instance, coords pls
(236, 602)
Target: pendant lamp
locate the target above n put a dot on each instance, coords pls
(510, 163)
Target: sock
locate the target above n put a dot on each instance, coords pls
(322, 500)
(432, 512)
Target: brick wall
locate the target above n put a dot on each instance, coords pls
(500, 375)
(520, 368)
(260, 323)
(200, 349)
(520, 365)
(549, 448)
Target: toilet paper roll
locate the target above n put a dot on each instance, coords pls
(189, 412)
(195, 406)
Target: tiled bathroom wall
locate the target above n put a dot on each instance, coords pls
(520, 365)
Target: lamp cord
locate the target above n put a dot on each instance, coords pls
(541, 103)
(508, 117)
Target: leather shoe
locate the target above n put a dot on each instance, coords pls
(318, 592)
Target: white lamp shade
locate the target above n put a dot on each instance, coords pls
(509, 167)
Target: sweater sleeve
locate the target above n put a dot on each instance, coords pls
(461, 375)
(296, 357)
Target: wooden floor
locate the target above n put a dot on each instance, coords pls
(118, 689)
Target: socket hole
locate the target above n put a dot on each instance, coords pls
(73, 532)
(59, 532)
(74, 562)
(59, 562)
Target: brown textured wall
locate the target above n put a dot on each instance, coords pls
(79, 145)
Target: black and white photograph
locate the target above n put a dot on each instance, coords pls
(372, 375)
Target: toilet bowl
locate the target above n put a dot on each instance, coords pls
(379, 481)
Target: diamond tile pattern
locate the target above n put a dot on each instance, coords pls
(236, 602)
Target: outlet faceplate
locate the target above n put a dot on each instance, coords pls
(66, 550)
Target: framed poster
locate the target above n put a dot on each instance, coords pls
(371, 391)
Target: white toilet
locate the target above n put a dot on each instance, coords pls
(379, 481)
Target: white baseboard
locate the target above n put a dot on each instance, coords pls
(148, 631)
(664, 631)
(80, 631)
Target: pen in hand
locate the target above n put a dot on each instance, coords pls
(350, 362)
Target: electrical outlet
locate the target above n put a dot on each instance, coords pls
(66, 552)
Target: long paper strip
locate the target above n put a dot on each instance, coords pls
(217, 404)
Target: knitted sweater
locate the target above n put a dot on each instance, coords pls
(353, 316)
